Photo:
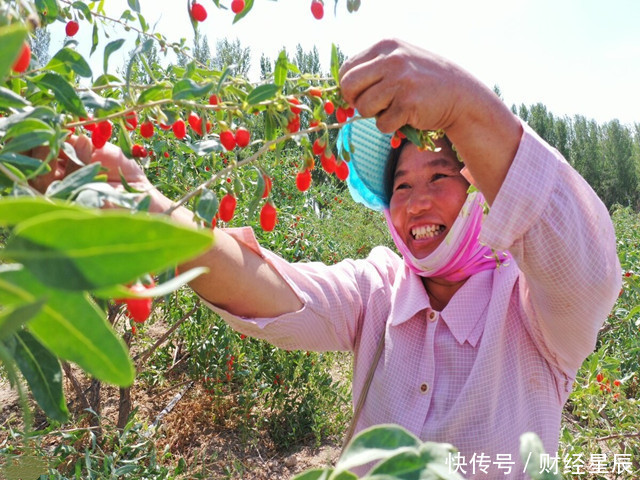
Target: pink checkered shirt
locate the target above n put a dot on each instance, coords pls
(501, 358)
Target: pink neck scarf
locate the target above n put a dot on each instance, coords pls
(460, 254)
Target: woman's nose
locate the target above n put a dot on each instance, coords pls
(419, 201)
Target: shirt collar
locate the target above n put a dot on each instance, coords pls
(469, 303)
(408, 297)
(465, 315)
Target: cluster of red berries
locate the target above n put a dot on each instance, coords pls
(268, 213)
(605, 385)
(100, 132)
(343, 113)
(240, 138)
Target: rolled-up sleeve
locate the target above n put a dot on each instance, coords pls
(562, 238)
(334, 299)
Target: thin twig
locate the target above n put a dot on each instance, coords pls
(176, 364)
(140, 32)
(618, 435)
(76, 386)
(147, 353)
(249, 160)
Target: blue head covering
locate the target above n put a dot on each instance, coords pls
(369, 149)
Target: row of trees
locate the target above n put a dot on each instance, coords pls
(606, 155)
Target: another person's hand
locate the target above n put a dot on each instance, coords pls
(116, 163)
(110, 157)
(401, 84)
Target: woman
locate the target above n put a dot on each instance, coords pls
(477, 347)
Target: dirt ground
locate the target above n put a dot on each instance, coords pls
(193, 431)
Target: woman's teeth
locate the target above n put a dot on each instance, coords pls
(426, 232)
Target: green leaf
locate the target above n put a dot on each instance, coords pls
(159, 91)
(13, 317)
(84, 9)
(62, 188)
(106, 79)
(50, 7)
(531, 449)
(9, 99)
(134, 5)
(257, 194)
(247, 8)
(120, 291)
(63, 91)
(207, 206)
(71, 326)
(316, 474)
(45, 114)
(24, 163)
(335, 64)
(96, 194)
(26, 126)
(67, 58)
(124, 142)
(412, 135)
(102, 105)
(187, 89)
(376, 443)
(262, 93)
(205, 147)
(27, 141)
(11, 39)
(270, 126)
(94, 39)
(280, 73)
(87, 251)
(140, 49)
(407, 463)
(223, 76)
(109, 49)
(42, 371)
(143, 23)
(16, 210)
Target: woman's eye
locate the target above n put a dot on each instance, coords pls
(402, 186)
(438, 176)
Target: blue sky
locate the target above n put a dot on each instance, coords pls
(575, 56)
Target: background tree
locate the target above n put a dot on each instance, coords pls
(265, 67)
(40, 43)
(586, 154)
(143, 66)
(617, 150)
(307, 62)
(232, 54)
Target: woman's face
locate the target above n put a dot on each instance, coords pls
(428, 193)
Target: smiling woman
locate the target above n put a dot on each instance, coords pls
(454, 340)
(423, 180)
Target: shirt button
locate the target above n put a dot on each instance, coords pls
(424, 388)
(433, 316)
